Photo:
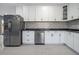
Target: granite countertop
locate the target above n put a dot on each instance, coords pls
(60, 29)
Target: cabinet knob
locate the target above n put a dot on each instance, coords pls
(51, 34)
(27, 39)
(72, 17)
(27, 35)
(41, 19)
(59, 34)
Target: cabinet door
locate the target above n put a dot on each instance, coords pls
(76, 11)
(19, 10)
(69, 40)
(28, 37)
(45, 13)
(58, 13)
(32, 13)
(70, 11)
(57, 37)
(66, 41)
(25, 13)
(73, 11)
(61, 36)
(76, 42)
(49, 37)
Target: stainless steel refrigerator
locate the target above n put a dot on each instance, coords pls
(13, 25)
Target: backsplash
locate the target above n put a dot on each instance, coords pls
(45, 24)
(73, 24)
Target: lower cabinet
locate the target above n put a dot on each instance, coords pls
(50, 37)
(71, 39)
(54, 37)
(76, 42)
(61, 36)
(28, 37)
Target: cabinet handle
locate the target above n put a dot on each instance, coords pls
(27, 35)
(59, 34)
(72, 17)
(51, 34)
(27, 31)
(41, 19)
(27, 39)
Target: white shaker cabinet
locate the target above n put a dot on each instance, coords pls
(61, 35)
(48, 37)
(26, 13)
(59, 13)
(66, 38)
(55, 37)
(19, 10)
(70, 39)
(76, 42)
(47, 13)
(28, 37)
(51, 37)
(40, 13)
(32, 13)
(73, 11)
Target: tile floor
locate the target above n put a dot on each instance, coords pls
(38, 50)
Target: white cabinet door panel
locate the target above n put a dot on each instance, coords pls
(73, 11)
(76, 42)
(28, 37)
(51, 37)
(48, 39)
(25, 13)
(57, 37)
(61, 36)
(32, 13)
(71, 39)
(19, 10)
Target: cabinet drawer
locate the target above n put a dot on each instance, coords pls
(28, 37)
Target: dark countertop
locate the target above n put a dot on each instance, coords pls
(55, 29)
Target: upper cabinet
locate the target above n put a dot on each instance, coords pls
(73, 11)
(19, 10)
(27, 12)
(46, 13)
(49, 13)
(40, 13)
(32, 13)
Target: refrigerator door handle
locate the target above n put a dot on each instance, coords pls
(10, 25)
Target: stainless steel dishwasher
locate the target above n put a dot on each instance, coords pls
(39, 37)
